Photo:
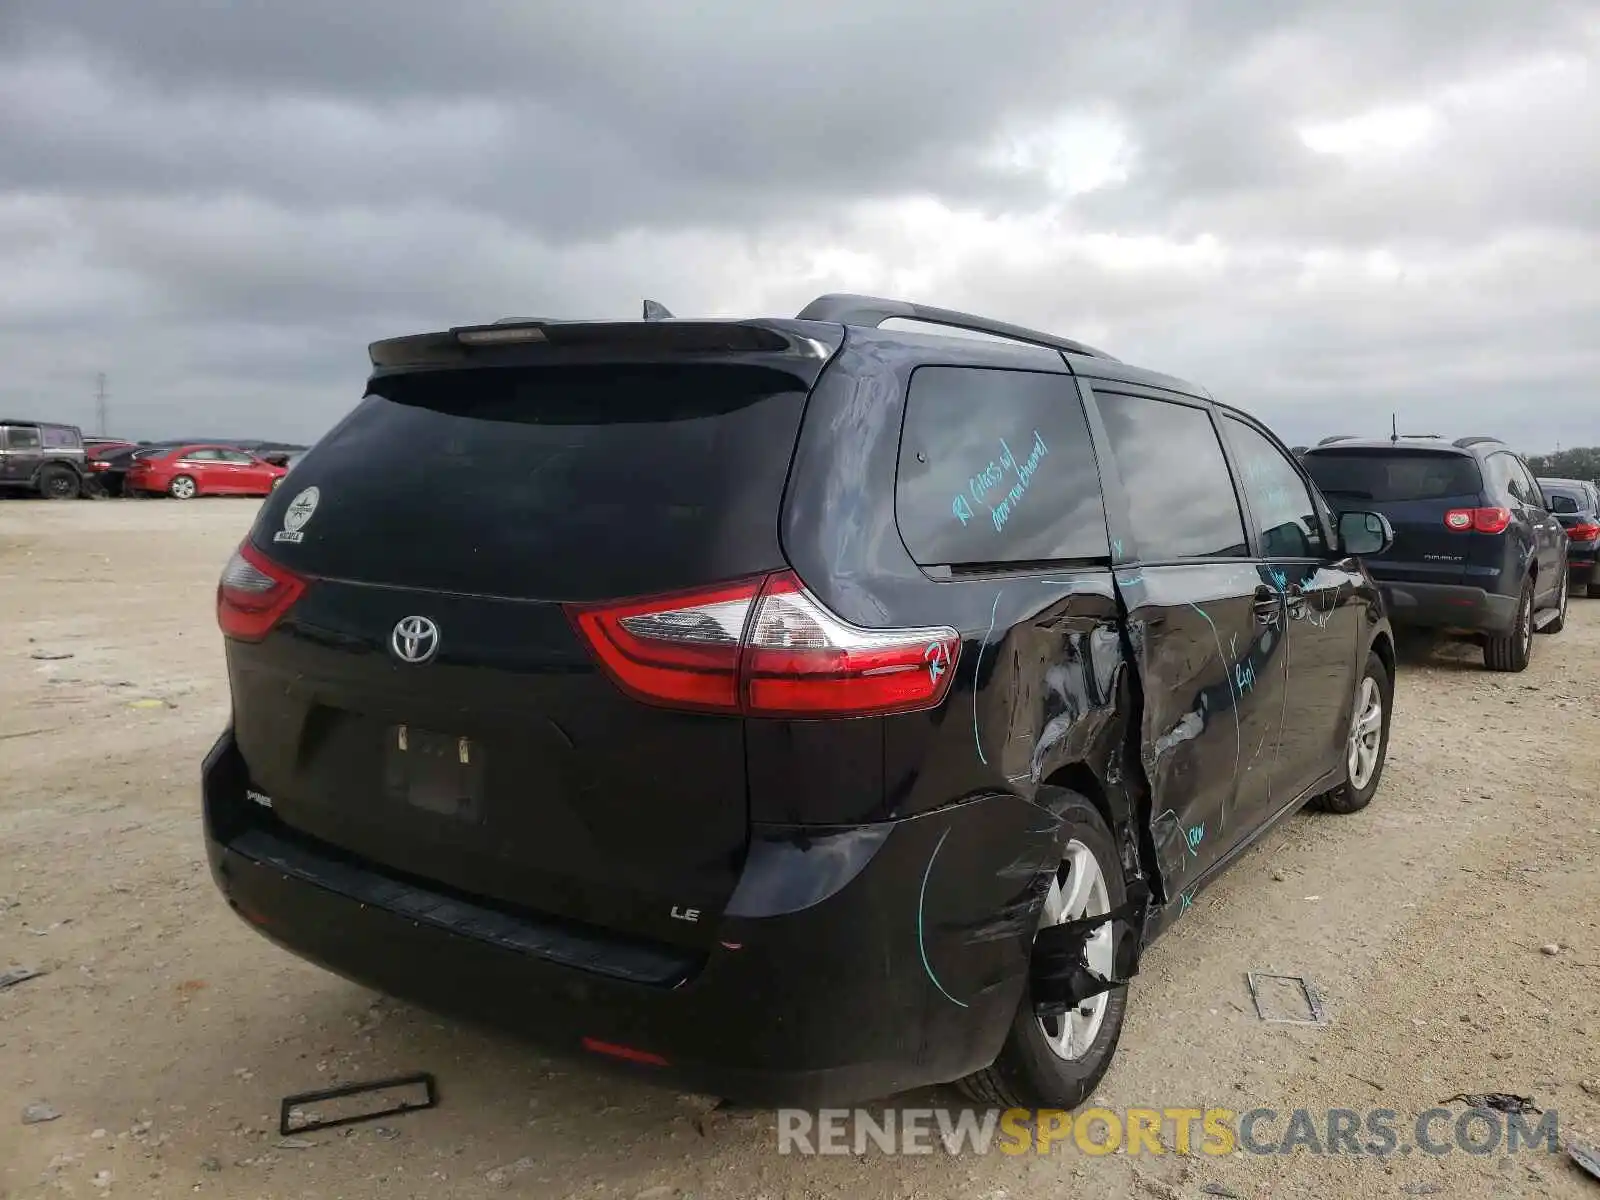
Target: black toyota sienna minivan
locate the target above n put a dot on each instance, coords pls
(798, 710)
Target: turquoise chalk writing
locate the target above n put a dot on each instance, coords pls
(1194, 836)
(1025, 472)
(1244, 676)
(981, 486)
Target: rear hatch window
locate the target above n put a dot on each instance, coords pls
(549, 482)
(1382, 476)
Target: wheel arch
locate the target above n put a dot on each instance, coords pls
(1383, 646)
(1080, 778)
(50, 464)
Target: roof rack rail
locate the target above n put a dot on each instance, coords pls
(1338, 437)
(873, 311)
(1464, 442)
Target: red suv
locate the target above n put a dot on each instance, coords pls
(184, 472)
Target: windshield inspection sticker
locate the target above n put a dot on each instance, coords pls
(296, 516)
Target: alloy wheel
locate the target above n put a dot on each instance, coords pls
(1078, 891)
(1366, 734)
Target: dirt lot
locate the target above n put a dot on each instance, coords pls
(164, 1030)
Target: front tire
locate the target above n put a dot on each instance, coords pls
(1057, 1062)
(1366, 742)
(1511, 651)
(183, 487)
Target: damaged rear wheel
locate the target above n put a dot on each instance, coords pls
(1057, 1061)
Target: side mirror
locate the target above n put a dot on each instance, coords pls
(1365, 533)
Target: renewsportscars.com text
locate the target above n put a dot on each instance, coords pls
(1379, 1132)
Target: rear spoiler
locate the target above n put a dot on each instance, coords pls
(537, 340)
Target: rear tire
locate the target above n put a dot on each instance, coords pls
(1594, 591)
(1347, 797)
(1511, 651)
(183, 487)
(1033, 1070)
(59, 483)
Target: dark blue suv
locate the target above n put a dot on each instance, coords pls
(1476, 552)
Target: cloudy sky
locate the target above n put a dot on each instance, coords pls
(1321, 211)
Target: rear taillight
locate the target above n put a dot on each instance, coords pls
(96, 465)
(254, 593)
(765, 647)
(1583, 533)
(1478, 520)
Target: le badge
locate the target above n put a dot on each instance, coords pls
(296, 515)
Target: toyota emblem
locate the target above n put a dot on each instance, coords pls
(414, 640)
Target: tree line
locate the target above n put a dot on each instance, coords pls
(1580, 462)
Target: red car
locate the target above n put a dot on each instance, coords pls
(184, 472)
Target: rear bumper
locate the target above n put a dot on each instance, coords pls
(850, 964)
(1449, 606)
(1581, 559)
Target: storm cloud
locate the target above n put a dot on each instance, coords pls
(1323, 212)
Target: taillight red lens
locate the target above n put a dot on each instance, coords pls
(801, 660)
(254, 593)
(680, 650)
(765, 647)
(1478, 520)
(1583, 533)
(1490, 520)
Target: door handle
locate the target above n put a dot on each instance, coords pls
(1267, 605)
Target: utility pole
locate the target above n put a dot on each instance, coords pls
(100, 398)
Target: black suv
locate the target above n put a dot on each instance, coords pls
(43, 458)
(800, 709)
(1476, 553)
(1576, 504)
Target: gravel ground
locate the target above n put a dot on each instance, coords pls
(164, 1031)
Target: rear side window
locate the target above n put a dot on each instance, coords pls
(22, 439)
(1393, 475)
(1527, 485)
(550, 482)
(997, 467)
(1181, 502)
(1504, 476)
(60, 439)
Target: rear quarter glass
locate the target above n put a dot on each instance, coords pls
(550, 482)
(997, 466)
